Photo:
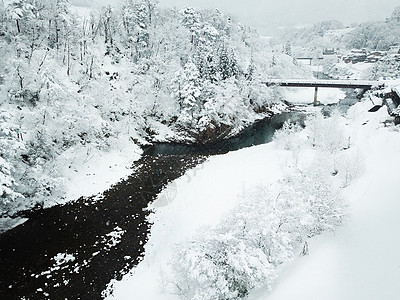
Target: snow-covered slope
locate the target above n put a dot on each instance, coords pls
(361, 260)
(202, 197)
(358, 261)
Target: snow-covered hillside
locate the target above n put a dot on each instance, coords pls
(81, 80)
(361, 259)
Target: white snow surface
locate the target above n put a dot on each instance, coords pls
(91, 171)
(359, 261)
(306, 95)
(62, 258)
(202, 197)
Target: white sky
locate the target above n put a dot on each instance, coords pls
(267, 15)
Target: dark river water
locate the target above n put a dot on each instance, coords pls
(259, 133)
(72, 251)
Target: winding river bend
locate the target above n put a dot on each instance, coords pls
(72, 251)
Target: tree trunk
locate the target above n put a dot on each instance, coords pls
(68, 59)
(21, 79)
(91, 69)
(18, 27)
(57, 46)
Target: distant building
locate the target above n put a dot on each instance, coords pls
(359, 51)
(374, 56)
(327, 51)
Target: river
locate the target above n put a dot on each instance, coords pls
(72, 251)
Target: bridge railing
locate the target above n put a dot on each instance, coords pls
(324, 83)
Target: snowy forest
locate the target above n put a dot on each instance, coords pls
(77, 84)
(80, 88)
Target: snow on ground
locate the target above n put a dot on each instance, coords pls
(201, 197)
(358, 71)
(306, 95)
(94, 171)
(395, 84)
(361, 260)
(81, 11)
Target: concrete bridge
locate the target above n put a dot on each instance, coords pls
(309, 59)
(318, 83)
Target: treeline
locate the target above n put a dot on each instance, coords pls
(376, 35)
(373, 35)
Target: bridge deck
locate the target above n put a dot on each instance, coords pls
(357, 84)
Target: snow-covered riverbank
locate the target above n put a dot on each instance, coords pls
(360, 260)
(204, 196)
(201, 197)
(88, 173)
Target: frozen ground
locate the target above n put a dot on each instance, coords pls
(359, 261)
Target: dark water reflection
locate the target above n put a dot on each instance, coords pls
(259, 133)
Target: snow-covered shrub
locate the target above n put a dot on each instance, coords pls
(270, 224)
(325, 133)
(350, 166)
(266, 229)
(10, 148)
(7, 185)
(333, 154)
(219, 265)
(286, 136)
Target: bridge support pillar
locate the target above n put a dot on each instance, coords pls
(315, 96)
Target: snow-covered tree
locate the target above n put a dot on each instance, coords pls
(192, 21)
(227, 66)
(20, 11)
(287, 135)
(8, 185)
(266, 229)
(325, 133)
(59, 21)
(10, 147)
(396, 14)
(2, 15)
(187, 86)
(288, 48)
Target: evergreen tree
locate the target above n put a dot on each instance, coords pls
(288, 48)
(228, 66)
(188, 91)
(191, 20)
(137, 19)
